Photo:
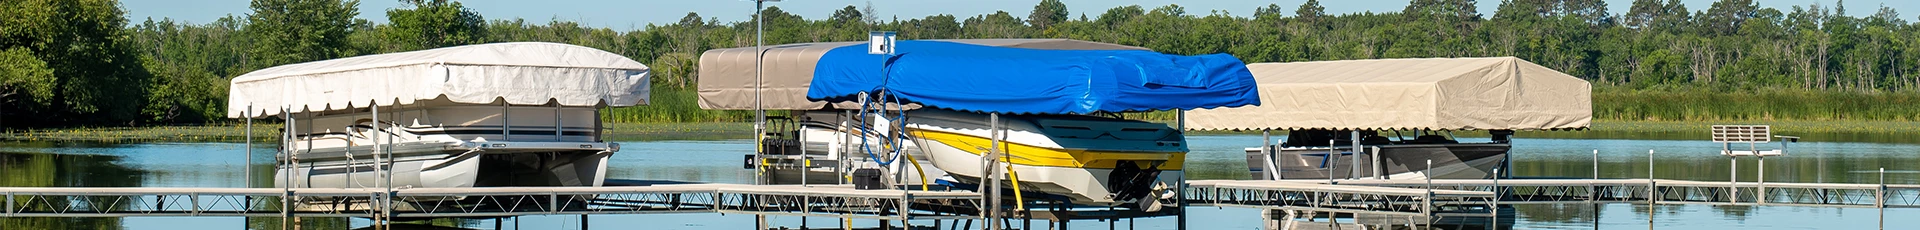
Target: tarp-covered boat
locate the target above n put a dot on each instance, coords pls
(1331, 108)
(1055, 144)
(827, 141)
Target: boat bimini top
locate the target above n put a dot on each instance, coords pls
(518, 73)
(1500, 93)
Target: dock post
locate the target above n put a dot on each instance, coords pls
(1593, 192)
(1880, 198)
(992, 186)
(905, 212)
(248, 180)
(496, 223)
(1652, 188)
(1495, 225)
(759, 221)
(583, 221)
(1762, 179)
(1733, 180)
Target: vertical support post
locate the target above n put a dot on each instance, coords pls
(1266, 152)
(840, 159)
(1653, 195)
(1378, 173)
(583, 222)
(506, 121)
(1181, 217)
(286, 152)
(1426, 206)
(759, 113)
(1593, 192)
(1762, 179)
(1354, 172)
(1880, 198)
(905, 212)
(248, 180)
(558, 126)
(379, 166)
(992, 187)
(1333, 161)
(1497, 194)
(9, 203)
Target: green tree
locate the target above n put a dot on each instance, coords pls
(434, 24)
(292, 31)
(28, 80)
(1047, 13)
(1269, 12)
(95, 76)
(1310, 11)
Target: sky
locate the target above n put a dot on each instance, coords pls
(634, 14)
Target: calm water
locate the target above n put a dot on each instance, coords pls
(1213, 157)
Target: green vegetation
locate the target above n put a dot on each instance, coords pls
(1702, 104)
(1660, 60)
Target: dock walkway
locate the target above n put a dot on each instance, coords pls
(789, 200)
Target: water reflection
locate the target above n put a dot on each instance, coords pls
(1212, 157)
(56, 170)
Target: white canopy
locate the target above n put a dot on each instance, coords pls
(520, 73)
(727, 75)
(1439, 94)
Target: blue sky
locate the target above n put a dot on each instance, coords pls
(630, 14)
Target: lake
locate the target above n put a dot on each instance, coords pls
(1212, 157)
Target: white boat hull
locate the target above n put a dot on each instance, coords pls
(1148, 159)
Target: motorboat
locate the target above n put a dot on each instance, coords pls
(487, 115)
(1322, 154)
(838, 137)
(1387, 118)
(1089, 160)
(1059, 145)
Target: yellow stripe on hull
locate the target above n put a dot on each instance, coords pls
(1023, 154)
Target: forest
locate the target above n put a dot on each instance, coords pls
(69, 63)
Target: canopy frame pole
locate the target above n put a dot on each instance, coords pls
(286, 154)
(759, 112)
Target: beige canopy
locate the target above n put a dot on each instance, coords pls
(1438, 93)
(519, 73)
(726, 75)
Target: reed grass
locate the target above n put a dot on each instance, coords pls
(673, 105)
(1757, 105)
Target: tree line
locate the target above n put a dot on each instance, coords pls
(82, 62)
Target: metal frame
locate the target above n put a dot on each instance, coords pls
(790, 200)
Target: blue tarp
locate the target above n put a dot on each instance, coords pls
(1028, 81)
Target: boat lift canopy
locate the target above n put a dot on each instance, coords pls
(1434, 94)
(727, 75)
(519, 73)
(990, 79)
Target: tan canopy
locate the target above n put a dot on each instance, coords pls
(518, 73)
(726, 75)
(1438, 93)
